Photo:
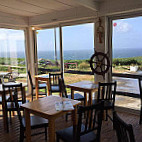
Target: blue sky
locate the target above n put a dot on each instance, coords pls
(127, 33)
(79, 37)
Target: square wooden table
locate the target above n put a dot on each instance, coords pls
(84, 86)
(45, 107)
(3, 102)
(43, 77)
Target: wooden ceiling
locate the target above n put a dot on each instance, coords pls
(35, 7)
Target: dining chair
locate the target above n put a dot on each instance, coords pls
(77, 96)
(40, 86)
(8, 91)
(123, 130)
(36, 122)
(140, 88)
(54, 86)
(88, 129)
(106, 93)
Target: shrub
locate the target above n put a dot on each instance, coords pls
(125, 61)
(84, 65)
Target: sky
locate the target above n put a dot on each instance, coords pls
(127, 33)
(79, 37)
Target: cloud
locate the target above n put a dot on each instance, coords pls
(122, 27)
(11, 35)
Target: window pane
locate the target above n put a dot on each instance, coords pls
(12, 54)
(48, 50)
(78, 47)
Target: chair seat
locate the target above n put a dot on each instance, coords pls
(41, 86)
(36, 122)
(107, 104)
(77, 96)
(11, 105)
(55, 88)
(67, 135)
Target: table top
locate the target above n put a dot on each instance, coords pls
(84, 85)
(4, 73)
(1, 89)
(42, 76)
(46, 106)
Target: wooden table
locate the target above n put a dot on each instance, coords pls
(43, 77)
(86, 87)
(3, 102)
(45, 107)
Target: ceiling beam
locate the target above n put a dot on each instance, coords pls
(91, 4)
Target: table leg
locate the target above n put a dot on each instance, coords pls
(90, 98)
(48, 86)
(24, 94)
(74, 116)
(4, 112)
(72, 94)
(85, 96)
(28, 126)
(36, 87)
(51, 130)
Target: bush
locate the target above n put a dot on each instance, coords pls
(84, 65)
(125, 61)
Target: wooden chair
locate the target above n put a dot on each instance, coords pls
(77, 96)
(8, 90)
(36, 122)
(41, 86)
(124, 131)
(106, 93)
(87, 130)
(54, 82)
(140, 88)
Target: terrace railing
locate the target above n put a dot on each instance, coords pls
(132, 76)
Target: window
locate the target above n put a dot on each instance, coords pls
(78, 46)
(12, 54)
(48, 50)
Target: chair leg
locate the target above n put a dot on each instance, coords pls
(46, 92)
(10, 117)
(106, 115)
(57, 138)
(21, 135)
(140, 121)
(32, 94)
(7, 127)
(66, 117)
(45, 133)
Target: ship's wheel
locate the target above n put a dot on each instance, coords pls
(99, 63)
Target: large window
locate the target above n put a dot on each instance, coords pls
(12, 54)
(78, 46)
(48, 50)
(127, 57)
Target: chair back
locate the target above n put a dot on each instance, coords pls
(63, 87)
(106, 92)
(54, 78)
(15, 96)
(30, 78)
(92, 122)
(124, 131)
(9, 89)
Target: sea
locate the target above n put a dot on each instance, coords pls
(77, 54)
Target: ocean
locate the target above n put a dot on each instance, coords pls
(77, 54)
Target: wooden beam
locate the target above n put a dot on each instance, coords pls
(91, 4)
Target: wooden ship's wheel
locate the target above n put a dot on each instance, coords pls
(99, 63)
